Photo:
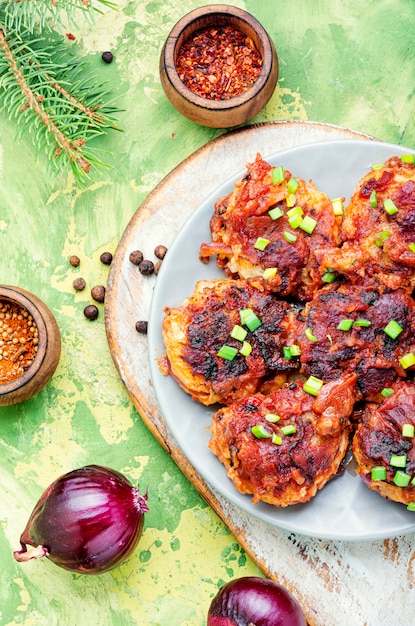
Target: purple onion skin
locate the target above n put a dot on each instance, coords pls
(88, 521)
(254, 601)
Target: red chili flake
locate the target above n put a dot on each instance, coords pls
(218, 63)
(70, 36)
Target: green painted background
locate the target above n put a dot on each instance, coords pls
(344, 62)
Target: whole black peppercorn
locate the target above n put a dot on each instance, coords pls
(106, 258)
(146, 267)
(91, 312)
(74, 260)
(98, 293)
(136, 257)
(107, 57)
(79, 284)
(160, 252)
(141, 327)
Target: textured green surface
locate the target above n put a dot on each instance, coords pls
(341, 61)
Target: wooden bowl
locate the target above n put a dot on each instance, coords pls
(31, 381)
(218, 113)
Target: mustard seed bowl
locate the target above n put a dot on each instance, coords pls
(221, 113)
(36, 317)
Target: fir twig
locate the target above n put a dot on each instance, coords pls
(51, 97)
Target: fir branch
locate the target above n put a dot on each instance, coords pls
(50, 95)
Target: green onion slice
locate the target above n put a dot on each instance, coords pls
(398, 460)
(295, 221)
(393, 329)
(362, 322)
(390, 207)
(408, 158)
(401, 479)
(272, 418)
(378, 472)
(275, 213)
(345, 324)
(227, 352)
(290, 429)
(292, 185)
(338, 207)
(411, 246)
(381, 238)
(238, 332)
(260, 431)
(244, 313)
(290, 201)
(297, 210)
(269, 272)
(290, 237)
(308, 224)
(287, 353)
(261, 243)
(246, 349)
(310, 335)
(276, 439)
(411, 506)
(407, 360)
(386, 392)
(277, 175)
(329, 277)
(373, 199)
(377, 166)
(313, 385)
(408, 430)
(295, 350)
(253, 322)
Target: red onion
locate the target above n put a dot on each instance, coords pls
(88, 521)
(254, 601)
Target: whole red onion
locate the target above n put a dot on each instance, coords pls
(254, 601)
(88, 520)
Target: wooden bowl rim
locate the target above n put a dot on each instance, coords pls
(268, 54)
(23, 298)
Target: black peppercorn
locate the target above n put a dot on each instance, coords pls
(74, 260)
(136, 257)
(106, 258)
(146, 267)
(98, 293)
(107, 57)
(79, 284)
(91, 312)
(160, 252)
(141, 327)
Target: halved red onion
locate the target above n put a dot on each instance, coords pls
(88, 520)
(254, 601)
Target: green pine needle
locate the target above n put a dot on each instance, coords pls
(51, 96)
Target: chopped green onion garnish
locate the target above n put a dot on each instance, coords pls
(288, 430)
(272, 418)
(411, 506)
(287, 353)
(378, 473)
(393, 329)
(295, 221)
(290, 200)
(238, 332)
(260, 431)
(411, 246)
(390, 207)
(362, 322)
(407, 158)
(377, 166)
(277, 175)
(408, 430)
(244, 313)
(310, 335)
(313, 385)
(253, 322)
(381, 238)
(295, 350)
(246, 348)
(297, 210)
(227, 352)
(338, 208)
(292, 185)
(373, 199)
(269, 272)
(308, 224)
(398, 460)
(328, 277)
(275, 213)
(401, 479)
(290, 237)
(261, 243)
(407, 360)
(386, 392)
(345, 325)
(276, 439)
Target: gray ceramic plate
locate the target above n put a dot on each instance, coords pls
(345, 509)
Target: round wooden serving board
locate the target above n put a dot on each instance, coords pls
(314, 568)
